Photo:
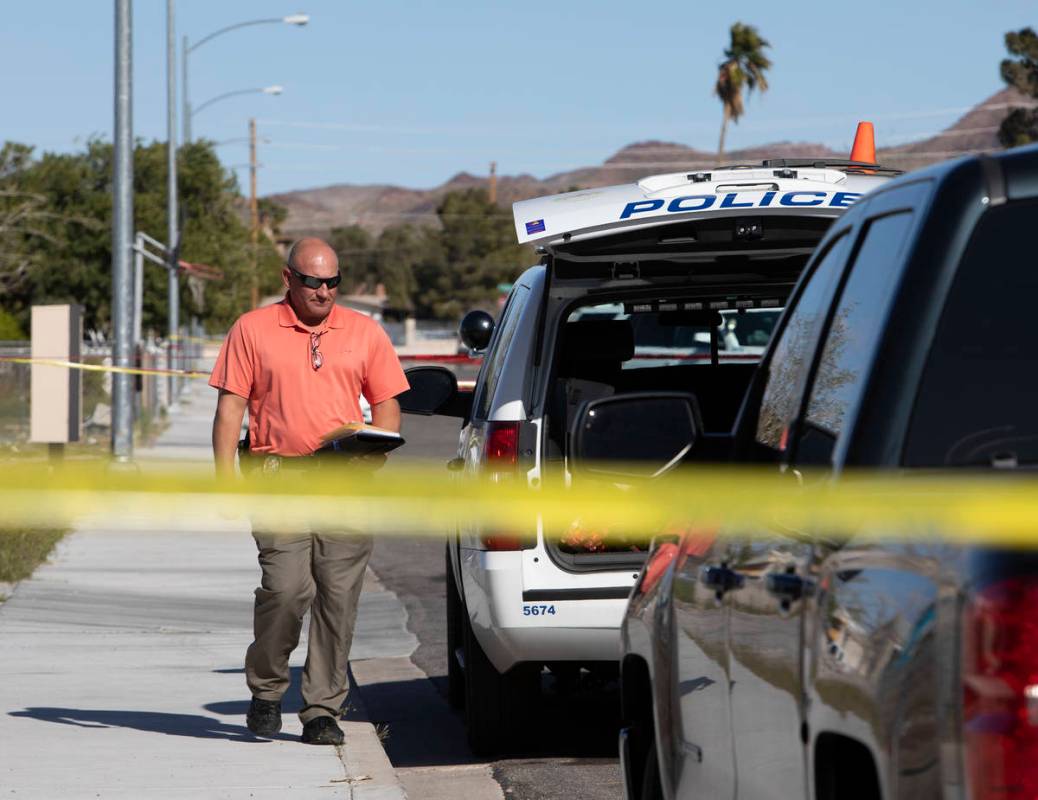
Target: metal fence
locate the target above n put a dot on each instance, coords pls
(153, 393)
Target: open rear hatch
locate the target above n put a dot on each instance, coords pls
(693, 245)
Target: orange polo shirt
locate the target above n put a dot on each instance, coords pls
(266, 359)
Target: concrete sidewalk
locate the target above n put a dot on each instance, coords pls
(121, 674)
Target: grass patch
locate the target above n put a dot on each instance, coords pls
(22, 550)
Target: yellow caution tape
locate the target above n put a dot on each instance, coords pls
(183, 373)
(60, 362)
(414, 499)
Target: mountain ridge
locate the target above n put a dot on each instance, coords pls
(376, 206)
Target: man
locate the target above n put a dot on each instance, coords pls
(299, 367)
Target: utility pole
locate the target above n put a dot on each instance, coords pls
(122, 235)
(172, 226)
(492, 189)
(253, 213)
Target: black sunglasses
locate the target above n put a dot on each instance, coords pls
(312, 282)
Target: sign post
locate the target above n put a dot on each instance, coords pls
(56, 391)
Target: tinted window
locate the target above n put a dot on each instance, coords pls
(979, 392)
(499, 348)
(668, 338)
(787, 372)
(853, 331)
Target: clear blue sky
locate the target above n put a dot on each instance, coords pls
(386, 91)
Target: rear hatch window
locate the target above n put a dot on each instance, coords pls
(614, 348)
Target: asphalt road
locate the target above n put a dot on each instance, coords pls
(572, 748)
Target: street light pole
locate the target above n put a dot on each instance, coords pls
(172, 226)
(253, 215)
(292, 19)
(122, 235)
(186, 107)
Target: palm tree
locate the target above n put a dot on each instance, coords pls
(744, 66)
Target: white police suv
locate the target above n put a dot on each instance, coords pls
(673, 283)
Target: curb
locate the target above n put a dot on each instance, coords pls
(367, 769)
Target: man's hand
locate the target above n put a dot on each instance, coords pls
(230, 410)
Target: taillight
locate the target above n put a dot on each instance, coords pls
(501, 457)
(502, 541)
(501, 447)
(662, 557)
(1000, 690)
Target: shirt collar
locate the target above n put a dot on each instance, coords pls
(287, 317)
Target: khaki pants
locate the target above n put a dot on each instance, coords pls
(319, 572)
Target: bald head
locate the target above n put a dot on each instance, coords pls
(309, 259)
(312, 256)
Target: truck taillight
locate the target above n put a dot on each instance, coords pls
(657, 564)
(501, 446)
(1000, 690)
(501, 457)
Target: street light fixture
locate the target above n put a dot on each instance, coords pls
(275, 90)
(299, 20)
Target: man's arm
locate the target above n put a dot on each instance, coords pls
(386, 415)
(230, 410)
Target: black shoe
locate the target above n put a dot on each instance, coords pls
(264, 717)
(322, 730)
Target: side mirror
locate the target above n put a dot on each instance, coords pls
(434, 390)
(476, 329)
(634, 436)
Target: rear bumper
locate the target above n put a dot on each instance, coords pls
(511, 628)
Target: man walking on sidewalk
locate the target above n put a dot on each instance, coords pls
(299, 366)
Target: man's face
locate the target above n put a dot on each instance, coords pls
(312, 305)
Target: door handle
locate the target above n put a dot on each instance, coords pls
(720, 578)
(456, 464)
(788, 585)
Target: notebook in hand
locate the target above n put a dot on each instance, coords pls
(358, 439)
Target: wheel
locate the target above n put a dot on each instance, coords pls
(455, 639)
(651, 788)
(497, 707)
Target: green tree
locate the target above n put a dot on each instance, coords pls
(1020, 125)
(743, 69)
(479, 251)
(271, 214)
(59, 247)
(438, 273)
(353, 244)
(402, 254)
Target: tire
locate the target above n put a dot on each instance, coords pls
(497, 707)
(651, 788)
(455, 639)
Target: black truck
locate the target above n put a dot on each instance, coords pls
(789, 664)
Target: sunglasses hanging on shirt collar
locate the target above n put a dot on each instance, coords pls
(316, 359)
(312, 282)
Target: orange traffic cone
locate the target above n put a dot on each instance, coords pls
(864, 148)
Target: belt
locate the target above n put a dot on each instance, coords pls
(272, 464)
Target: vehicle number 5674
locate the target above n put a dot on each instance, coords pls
(536, 611)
